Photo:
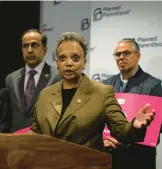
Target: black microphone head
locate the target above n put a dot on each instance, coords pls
(4, 94)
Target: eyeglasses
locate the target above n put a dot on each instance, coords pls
(124, 53)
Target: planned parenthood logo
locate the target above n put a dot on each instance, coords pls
(113, 11)
(100, 74)
(55, 3)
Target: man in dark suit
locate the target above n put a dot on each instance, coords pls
(26, 83)
(132, 79)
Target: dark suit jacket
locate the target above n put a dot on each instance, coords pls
(136, 156)
(22, 118)
(141, 83)
(92, 106)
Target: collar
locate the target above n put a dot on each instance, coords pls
(122, 80)
(38, 68)
(125, 81)
(84, 87)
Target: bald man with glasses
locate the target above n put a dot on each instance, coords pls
(132, 79)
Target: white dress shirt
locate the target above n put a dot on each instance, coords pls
(38, 69)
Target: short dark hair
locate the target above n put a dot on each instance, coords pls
(132, 41)
(44, 38)
(73, 36)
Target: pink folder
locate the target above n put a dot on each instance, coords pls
(131, 104)
(22, 131)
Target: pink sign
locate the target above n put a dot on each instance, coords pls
(131, 104)
(22, 131)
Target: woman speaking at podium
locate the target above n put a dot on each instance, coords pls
(76, 109)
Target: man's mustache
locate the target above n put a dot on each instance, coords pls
(31, 57)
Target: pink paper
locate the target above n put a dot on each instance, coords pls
(22, 131)
(131, 104)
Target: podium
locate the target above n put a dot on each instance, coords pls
(34, 151)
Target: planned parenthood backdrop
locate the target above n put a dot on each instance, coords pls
(103, 24)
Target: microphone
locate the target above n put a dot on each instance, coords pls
(4, 94)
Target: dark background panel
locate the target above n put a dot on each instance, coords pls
(15, 18)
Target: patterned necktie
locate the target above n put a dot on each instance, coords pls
(30, 88)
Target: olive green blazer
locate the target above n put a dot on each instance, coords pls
(93, 105)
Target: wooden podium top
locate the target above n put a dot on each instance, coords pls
(35, 151)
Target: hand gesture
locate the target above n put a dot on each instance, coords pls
(143, 119)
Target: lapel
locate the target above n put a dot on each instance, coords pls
(44, 77)
(82, 95)
(56, 100)
(21, 90)
(133, 83)
(117, 84)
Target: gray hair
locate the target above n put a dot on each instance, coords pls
(133, 42)
(73, 36)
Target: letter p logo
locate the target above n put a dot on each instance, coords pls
(85, 24)
(96, 77)
(97, 14)
(56, 2)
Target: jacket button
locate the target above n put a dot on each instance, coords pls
(73, 117)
